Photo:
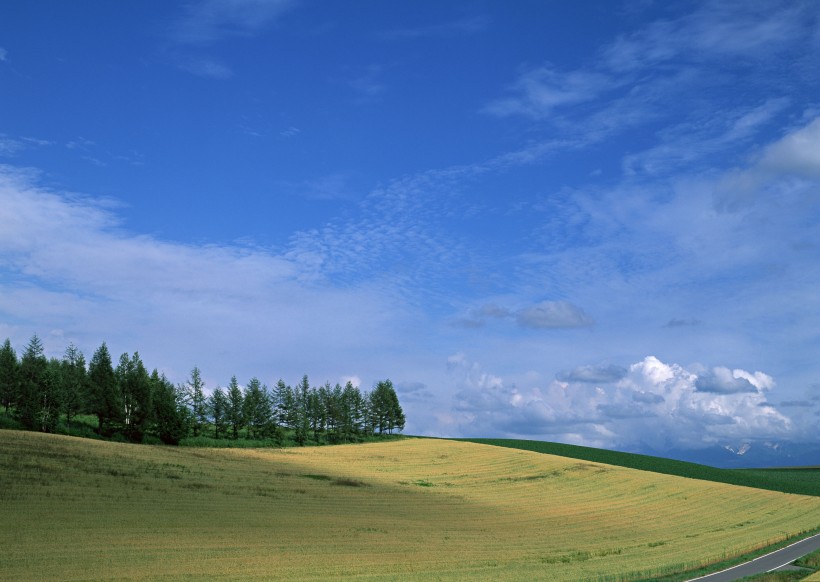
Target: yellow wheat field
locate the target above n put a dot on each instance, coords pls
(73, 509)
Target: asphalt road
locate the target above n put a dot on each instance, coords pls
(767, 563)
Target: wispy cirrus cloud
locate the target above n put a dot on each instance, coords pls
(204, 23)
(207, 21)
(553, 315)
(461, 27)
(701, 138)
(725, 29)
(11, 146)
(538, 92)
(637, 76)
(205, 67)
(72, 268)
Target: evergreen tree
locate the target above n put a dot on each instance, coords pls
(351, 415)
(314, 413)
(386, 413)
(74, 383)
(258, 411)
(333, 405)
(33, 367)
(135, 396)
(286, 404)
(301, 416)
(395, 418)
(104, 400)
(9, 375)
(218, 405)
(235, 412)
(49, 394)
(195, 399)
(169, 412)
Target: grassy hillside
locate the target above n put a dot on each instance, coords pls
(804, 481)
(413, 509)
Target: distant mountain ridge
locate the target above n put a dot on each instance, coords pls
(748, 454)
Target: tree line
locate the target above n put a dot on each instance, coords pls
(46, 394)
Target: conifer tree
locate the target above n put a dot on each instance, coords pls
(169, 412)
(33, 367)
(9, 375)
(235, 412)
(49, 393)
(195, 399)
(104, 399)
(135, 395)
(74, 383)
(218, 409)
(385, 410)
(257, 410)
(302, 417)
(285, 404)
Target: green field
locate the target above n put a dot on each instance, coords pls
(78, 509)
(803, 481)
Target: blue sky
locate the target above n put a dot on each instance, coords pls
(591, 222)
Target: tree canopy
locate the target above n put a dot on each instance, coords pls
(50, 395)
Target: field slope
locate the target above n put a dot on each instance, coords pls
(804, 481)
(418, 508)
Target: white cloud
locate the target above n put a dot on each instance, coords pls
(785, 167)
(3, 54)
(207, 21)
(10, 146)
(650, 406)
(798, 153)
(539, 91)
(722, 380)
(68, 264)
(603, 374)
(205, 67)
(464, 26)
(553, 315)
(702, 137)
(714, 30)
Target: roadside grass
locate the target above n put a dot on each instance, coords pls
(412, 509)
(802, 481)
(811, 563)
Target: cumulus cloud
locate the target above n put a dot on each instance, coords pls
(651, 406)
(722, 381)
(553, 315)
(594, 374)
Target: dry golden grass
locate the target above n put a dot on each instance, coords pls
(75, 509)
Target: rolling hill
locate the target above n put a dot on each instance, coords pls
(411, 509)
